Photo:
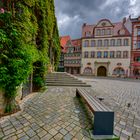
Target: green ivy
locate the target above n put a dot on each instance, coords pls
(25, 39)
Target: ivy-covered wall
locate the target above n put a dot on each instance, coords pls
(29, 42)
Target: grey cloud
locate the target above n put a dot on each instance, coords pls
(90, 11)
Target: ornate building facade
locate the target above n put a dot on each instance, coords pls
(72, 57)
(135, 53)
(63, 42)
(106, 49)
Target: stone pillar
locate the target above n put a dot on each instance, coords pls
(2, 102)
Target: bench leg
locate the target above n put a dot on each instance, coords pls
(103, 123)
(77, 94)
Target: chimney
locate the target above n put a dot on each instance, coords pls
(84, 24)
(124, 20)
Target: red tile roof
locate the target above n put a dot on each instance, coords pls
(76, 42)
(63, 42)
(117, 26)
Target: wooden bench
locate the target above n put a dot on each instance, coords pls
(103, 117)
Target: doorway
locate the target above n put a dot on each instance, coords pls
(102, 71)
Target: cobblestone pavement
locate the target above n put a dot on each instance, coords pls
(53, 115)
(124, 98)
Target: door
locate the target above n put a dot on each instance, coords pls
(102, 71)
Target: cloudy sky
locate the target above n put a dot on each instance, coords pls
(71, 14)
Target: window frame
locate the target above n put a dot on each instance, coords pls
(86, 54)
(113, 56)
(120, 55)
(106, 52)
(100, 54)
(125, 54)
(92, 55)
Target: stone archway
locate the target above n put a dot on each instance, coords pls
(102, 71)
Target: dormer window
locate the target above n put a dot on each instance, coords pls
(87, 34)
(108, 31)
(98, 32)
(103, 32)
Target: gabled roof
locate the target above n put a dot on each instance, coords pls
(64, 40)
(116, 28)
(63, 43)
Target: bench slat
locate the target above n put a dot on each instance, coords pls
(93, 102)
(90, 101)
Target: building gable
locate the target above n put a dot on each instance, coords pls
(104, 23)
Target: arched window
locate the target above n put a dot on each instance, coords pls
(105, 54)
(88, 70)
(119, 71)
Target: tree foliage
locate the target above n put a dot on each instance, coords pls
(27, 32)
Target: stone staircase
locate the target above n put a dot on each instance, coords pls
(64, 79)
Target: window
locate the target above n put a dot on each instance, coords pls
(125, 54)
(118, 54)
(92, 54)
(112, 54)
(138, 31)
(137, 59)
(119, 71)
(103, 32)
(99, 43)
(106, 43)
(98, 31)
(88, 70)
(119, 42)
(86, 43)
(112, 43)
(99, 54)
(86, 54)
(109, 31)
(105, 54)
(93, 43)
(87, 34)
(125, 42)
(138, 45)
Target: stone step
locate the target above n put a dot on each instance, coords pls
(69, 78)
(64, 79)
(65, 84)
(73, 82)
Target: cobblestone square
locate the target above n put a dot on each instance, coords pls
(58, 114)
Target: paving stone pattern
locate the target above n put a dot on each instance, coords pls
(51, 115)
(124, 98)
